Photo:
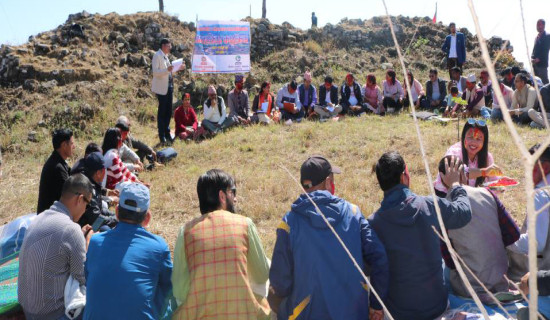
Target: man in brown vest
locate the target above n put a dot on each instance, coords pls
(482, 242)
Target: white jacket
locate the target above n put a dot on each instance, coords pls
(160, 73)
(75, 298)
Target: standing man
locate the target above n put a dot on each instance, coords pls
(404, 223)
(220, 268)
(237, 101)
(455, 48)
(540, 52)
(53, 249)
(163, 86)
(311, 273)
(313, 20)
(128, 269)
(55, 171)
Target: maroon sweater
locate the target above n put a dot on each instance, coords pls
(185, 119)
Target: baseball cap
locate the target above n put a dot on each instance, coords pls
(94, 161)
(134, 197)
(316, 169)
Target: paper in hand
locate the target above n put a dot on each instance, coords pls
(263, 109)
(178, 65)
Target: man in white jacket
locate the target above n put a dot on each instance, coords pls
(163, 86)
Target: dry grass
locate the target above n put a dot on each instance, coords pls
(254, 156)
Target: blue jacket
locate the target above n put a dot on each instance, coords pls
(404, 224)
(311, 270)
(460, 47)
(128, 271)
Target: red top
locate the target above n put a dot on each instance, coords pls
(185, 118)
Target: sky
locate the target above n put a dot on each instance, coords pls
(20, 19)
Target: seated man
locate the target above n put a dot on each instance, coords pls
(538, 120)
(351, 98)
(128, 268)
(543, 286)
(53, 249)
(56, 170)
(237, 101)
(457, 78)
(94, 170)
(133, 160)
(523, 100)
(215, 114)
(219, 260)
(475, 99)
(335, 289)
(78, 166)
(308, 95)
(507, 92)
(482, 242)
(404, 223)
(508, 78)
(436, 91)
(487, 86)
(328, 100)
(288, 102)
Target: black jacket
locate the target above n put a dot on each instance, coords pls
(540, 50)
(95, 209)
(142, 148)
(54, 174)
(323, 95)
(345, 93)
(543, 281)
(442, 90)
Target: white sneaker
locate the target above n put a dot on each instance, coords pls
(288, 122)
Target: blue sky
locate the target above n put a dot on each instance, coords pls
(21, 18)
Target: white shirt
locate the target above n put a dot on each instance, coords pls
(541, 199)
(452, 49)
(352, 99)
(327, 97)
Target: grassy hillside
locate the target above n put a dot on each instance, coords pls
(254, 155)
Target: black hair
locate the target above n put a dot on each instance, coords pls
(209, 186)
(441, 166)
(545, 156)
(523, 77)
(482, 154)
(515, 70)
(452, 24)
(123, 127)
(130, 215)
(454, 90)
(263, 86)
(164, 41)
(59, 136)
(77, 184)
(293, 84)
(91, 147)
(111, 139)
(409, 73)
(542, 21)
(329, 79)
(389, 168)
(434, 71)
(392, 75)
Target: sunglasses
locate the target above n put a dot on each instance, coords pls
(83, 197)
(479, 123)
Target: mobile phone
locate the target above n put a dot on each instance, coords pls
(97, 223)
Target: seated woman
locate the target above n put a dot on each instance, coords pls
(186, 119)
(473, 150)
(393, 93)
(372, 96)
(416, 90)
(262, 106)
(116, 170)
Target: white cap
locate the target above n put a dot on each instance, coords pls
(471, 78)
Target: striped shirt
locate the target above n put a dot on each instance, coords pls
(116, 170)
(53, 249)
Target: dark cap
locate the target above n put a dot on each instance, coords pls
(545, 156)
(316, 169)
(505, 71)
(94, 162)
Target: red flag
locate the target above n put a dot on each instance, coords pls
(434, 20)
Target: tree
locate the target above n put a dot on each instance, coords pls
(263, 9)
(161, 5)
